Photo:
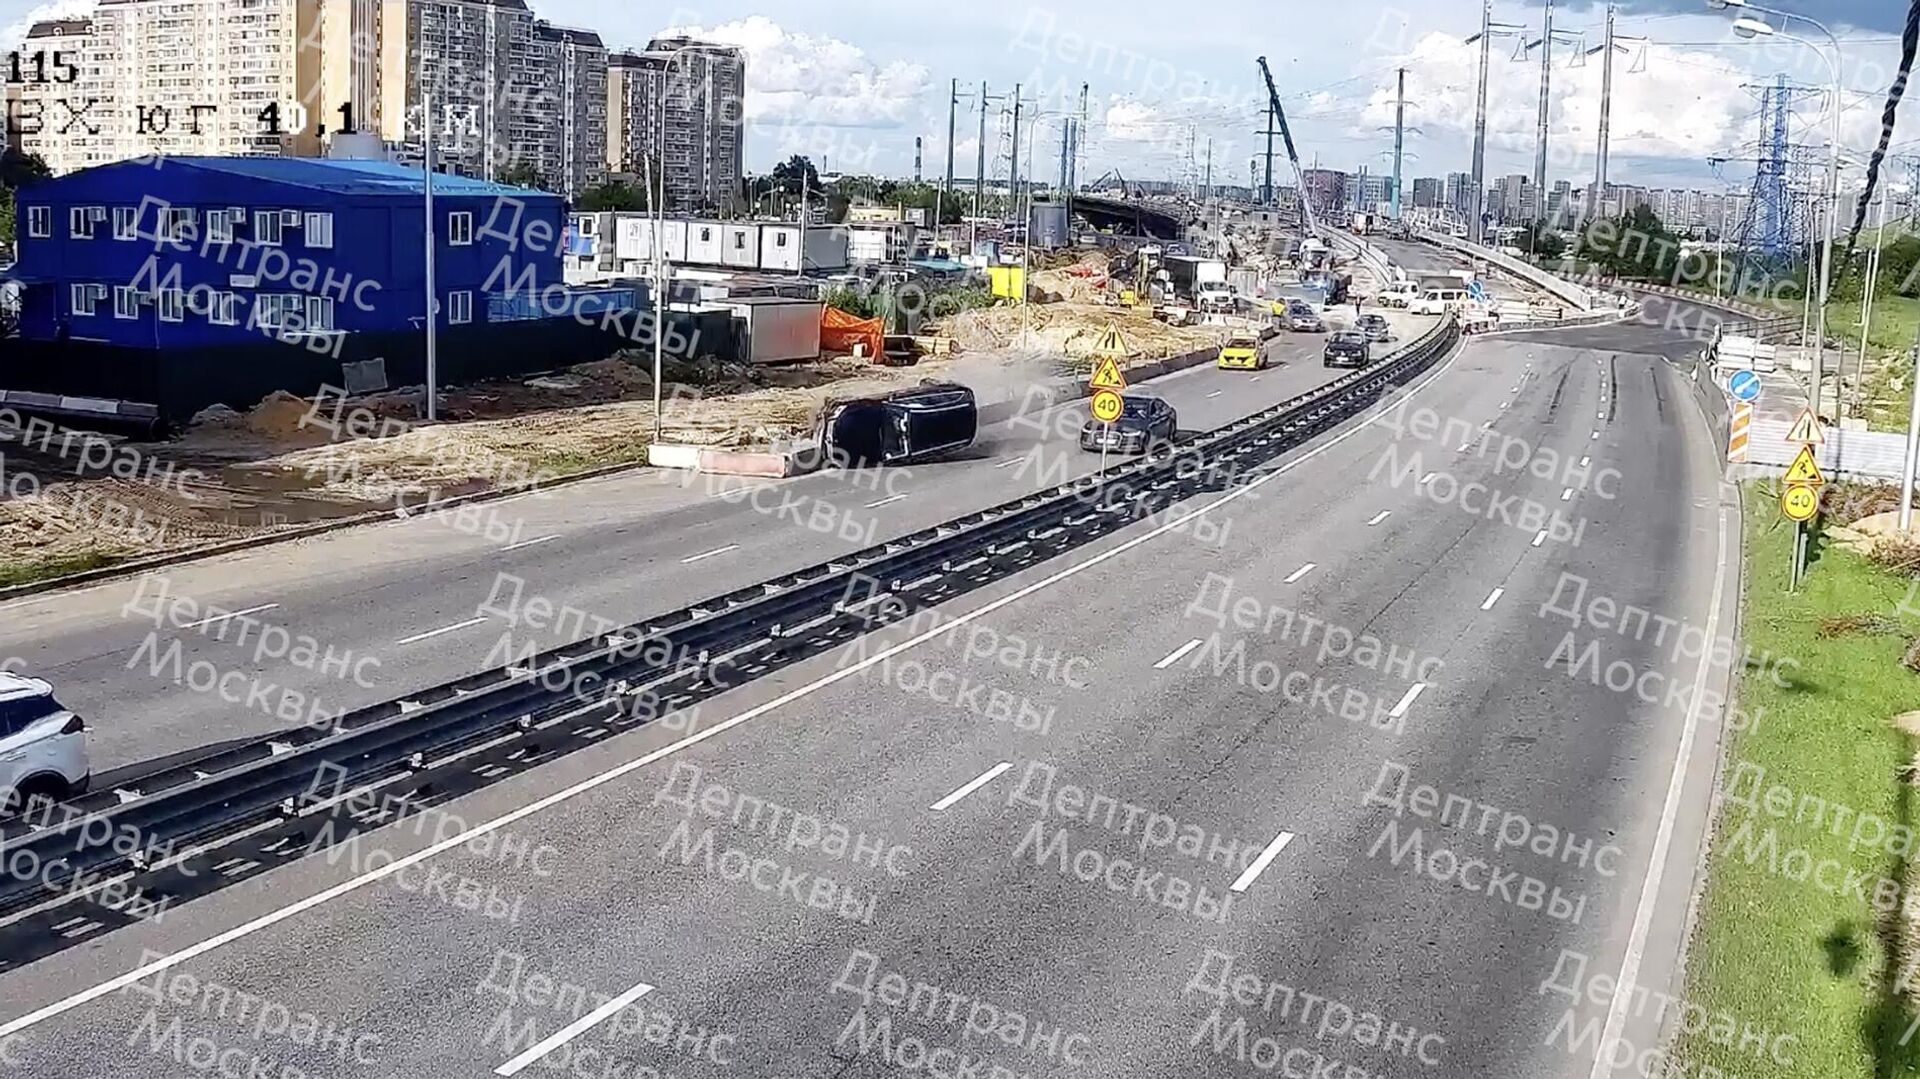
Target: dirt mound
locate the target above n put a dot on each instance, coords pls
(617, 375)
(278, 415)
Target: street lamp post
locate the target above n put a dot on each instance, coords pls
(661, 273)
(1026, 219)
(1749, 26)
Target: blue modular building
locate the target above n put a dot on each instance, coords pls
(195, 251)
(184, 281)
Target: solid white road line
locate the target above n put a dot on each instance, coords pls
(229, 614)
(1596, 434)
(1299, 573)
(709, 554)
(1010, 462)
(1215, 394)
(887, 501)
(1252, 872)
(1584, 460)
(973, 784)
(1426, 479)
(442, 629)
(1493, 597)
(1173, 657)
(1378, 517)
(1539, 537)
(1566, 494)
(513, 816)
(530, 543)
(1406, 702)
(1663, 836)
(573, 1030)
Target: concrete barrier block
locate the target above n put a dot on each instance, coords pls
(746, 463)
(673, 455)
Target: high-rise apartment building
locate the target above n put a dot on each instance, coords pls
(467, 59)
(56, 107)
(175, 77)
(1459, 193)
(696, 91)
(563, 130)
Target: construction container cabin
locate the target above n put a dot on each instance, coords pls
(185, 281)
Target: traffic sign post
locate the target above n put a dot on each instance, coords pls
(1107, 384)
(1744, 386)
(1800, 497)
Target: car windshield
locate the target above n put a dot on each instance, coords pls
(1348, 337)
(16, 713)
(1136, 408)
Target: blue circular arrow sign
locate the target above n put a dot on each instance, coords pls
(1744, 385)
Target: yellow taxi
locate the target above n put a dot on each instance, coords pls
(1242, 353)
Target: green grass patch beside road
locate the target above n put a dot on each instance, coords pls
(1784, 943)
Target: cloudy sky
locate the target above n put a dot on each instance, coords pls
(854, 81)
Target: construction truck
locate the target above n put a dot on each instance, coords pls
(1362, 224)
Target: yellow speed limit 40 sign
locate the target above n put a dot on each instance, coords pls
(1800, 501)
(1106, 406)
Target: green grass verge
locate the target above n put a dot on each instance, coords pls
(1786, 954)
(15, 573)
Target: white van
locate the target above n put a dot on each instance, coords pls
(1439, 301)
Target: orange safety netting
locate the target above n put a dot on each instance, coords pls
(839, 330)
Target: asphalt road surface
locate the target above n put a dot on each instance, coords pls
(402, 606)
(1171, 833)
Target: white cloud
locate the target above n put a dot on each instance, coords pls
(16, 32)
(804, 79)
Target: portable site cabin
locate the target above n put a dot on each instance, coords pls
(740, 246)
(781, 248)
(703, 243)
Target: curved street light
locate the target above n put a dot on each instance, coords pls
(1751, 26)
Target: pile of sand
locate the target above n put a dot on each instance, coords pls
(280, 415)
(1074, 330)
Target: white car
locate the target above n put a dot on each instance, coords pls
(43, 746)
(1438, 301)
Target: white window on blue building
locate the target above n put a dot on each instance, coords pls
(126, 222)
(266, 227)
(126, 301)
(80, 220)
(459, 229)
(223, 309)
(320, 230)
(170, 304)
(320, 313)
(86, 299)
(220, 226)
(269, 310)
(39, 221)
(177, 226)
(459, 307)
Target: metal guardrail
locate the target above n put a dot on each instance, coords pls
(751, 631)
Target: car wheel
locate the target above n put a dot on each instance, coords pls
(45, 788)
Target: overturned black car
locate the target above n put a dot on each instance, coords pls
(905, 425)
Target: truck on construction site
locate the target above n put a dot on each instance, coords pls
(1188, 276)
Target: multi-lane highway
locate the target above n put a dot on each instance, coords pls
(1150, 811)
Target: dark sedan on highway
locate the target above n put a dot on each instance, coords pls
(1348, 348)
(1375, 327)
(1145, 422)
